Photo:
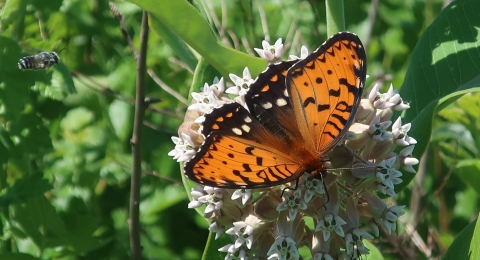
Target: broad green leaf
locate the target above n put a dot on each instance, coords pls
(17, 256)
(63, 78)
(77, 119)
(178, 46)
(40, 221)
(445, 65)
(38, 216)
(375, 254)
(211, 248)
(204, 73)
(13, 12)
(185, 21)
(422, 125)
(465, 245)
(159, 201)
(120, 114)
(24, 189)
(14, 83)
(469, 172)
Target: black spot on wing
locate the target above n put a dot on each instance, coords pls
(308, 101)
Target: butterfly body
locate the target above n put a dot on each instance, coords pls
(297, 112)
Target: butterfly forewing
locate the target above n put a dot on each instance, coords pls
(326, 89)
(239, 152)
(268, 99)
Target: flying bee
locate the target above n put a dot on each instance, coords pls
(43, 60)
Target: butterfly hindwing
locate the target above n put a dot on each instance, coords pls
(326, 88)
(239, 152)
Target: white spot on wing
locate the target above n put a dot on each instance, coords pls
(237, 131)
(285, 92)
(247, 119)
(281, 102)
(246, 128)
(267, 105)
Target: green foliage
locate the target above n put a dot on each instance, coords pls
(65, 132)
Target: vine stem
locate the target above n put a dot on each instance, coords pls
(136, 143)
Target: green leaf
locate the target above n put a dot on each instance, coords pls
(375, 254)
(77, 119)
(469, 172)
(211, 248)
(63, 78)
(12, 12)
(445, 65)
(40, 221)
(14, 83)
(465, 246)
(120, 114)
(18, 256)
(159, 201)
(178, 46)
(185, 21)
(38, 217)
(24, 189)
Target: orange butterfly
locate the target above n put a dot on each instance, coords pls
(299, 111)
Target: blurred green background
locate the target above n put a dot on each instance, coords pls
(65, 133)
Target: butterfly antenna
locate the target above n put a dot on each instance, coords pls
(326, 193)
(290, 188)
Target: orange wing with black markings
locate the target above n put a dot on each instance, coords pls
(239, 152)
(326, 88)
(299, 110)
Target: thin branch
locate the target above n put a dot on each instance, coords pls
(293, 30)
(123, 28)
(180, 63)
(40, 25)
(153, 173)
(215, 19)
(263, 20)
(223, 5)
(247, 47)
(372, 15)
(166, 87)
(106, 91)
(234, 38)
(439, 189)
(136, 143)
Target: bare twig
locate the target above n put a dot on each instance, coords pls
(123, 27)
(40, 24)
(263, 20)
(234, 38)
(166, 87)
(247, 46)
(215, 19)
(372, 15)
(136, 143)
(104, 90)
(180, 63)
(417, 190)
(439, 189)
(153, 173)
(293, 31)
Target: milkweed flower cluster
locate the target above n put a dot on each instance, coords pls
(344, 205)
